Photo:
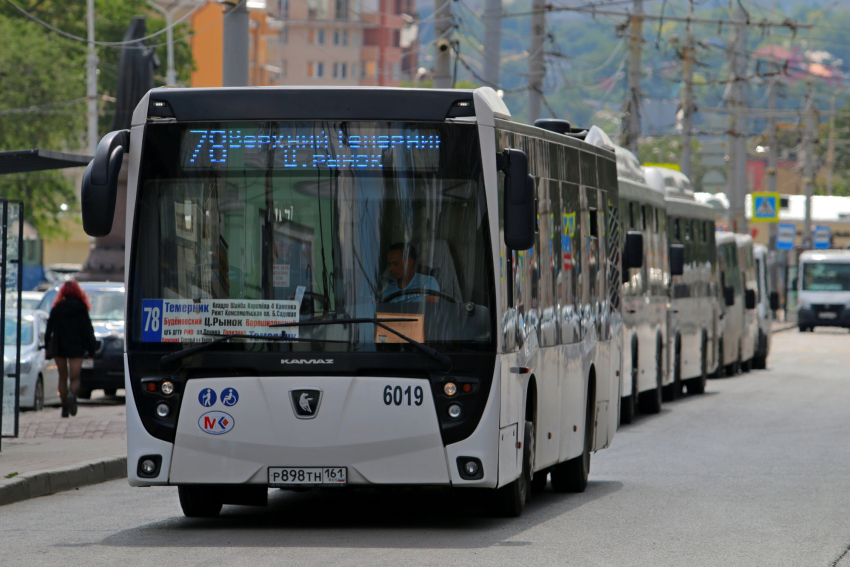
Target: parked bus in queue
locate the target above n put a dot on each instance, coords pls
(348, 287)
(644, 286)
(693, 316)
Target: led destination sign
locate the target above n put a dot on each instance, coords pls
(280, 147)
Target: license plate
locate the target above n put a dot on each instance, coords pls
(827, 315)
(88, 363)
(308, 476)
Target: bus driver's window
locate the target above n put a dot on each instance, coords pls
(406, 281)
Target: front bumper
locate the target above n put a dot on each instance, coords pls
(107, 372)
(833, 316)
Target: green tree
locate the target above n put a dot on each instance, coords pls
(41, 106)
(42, 88)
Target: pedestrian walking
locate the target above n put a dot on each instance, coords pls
(69, 339)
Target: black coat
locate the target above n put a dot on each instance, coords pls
(71, 326)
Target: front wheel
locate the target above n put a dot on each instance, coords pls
(510, 499)
(110, 391)
(674, 391)
(38, 399)
(571, 476)
(650, 402)
(697, 385)
(199, 501)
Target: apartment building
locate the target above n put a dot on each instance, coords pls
(314, 42)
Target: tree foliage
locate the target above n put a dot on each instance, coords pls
(43, 88)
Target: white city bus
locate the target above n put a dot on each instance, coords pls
(642, 211)
(346, 287)
(693, 316)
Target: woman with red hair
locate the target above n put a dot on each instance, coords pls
(70, 337)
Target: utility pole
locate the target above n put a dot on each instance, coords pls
(772, 149)
(536, 65)
(443, 46)
(688, 57)
(631, 130)
(830, 148)
(492, 41)
(91, 82)
(738, 135)
(235, 44)
(809, 164)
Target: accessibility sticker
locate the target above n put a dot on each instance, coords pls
(216, 422)
(187, 320)
(765, 207)
(229, 397)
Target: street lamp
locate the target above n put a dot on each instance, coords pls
(171, 74)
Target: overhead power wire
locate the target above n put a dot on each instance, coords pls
(67, 35)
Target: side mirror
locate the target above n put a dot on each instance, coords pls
(729, 295)
(100, 183)
(774, 300)
(633, 252)
(677, 259)
(750, 298)
(519, 202)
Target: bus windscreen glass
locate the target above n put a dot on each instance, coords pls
(241, 226)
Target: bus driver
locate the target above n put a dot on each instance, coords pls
(402, 259)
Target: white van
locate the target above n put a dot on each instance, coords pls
(823, 289)
(749, 336)
(767, 302)
(732, 304)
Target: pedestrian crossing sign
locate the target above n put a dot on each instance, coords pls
(765, 207)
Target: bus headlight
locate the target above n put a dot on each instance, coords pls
(450, 389)
(162, 410)
(167, 387)
(454, 411)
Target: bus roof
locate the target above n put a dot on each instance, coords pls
(674, 183)
(724, 237)
(316, 103)
(689, 208)
(825, 256)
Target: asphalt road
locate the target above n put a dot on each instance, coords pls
(755, 472)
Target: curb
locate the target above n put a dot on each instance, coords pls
(42, 483)
(780, 329)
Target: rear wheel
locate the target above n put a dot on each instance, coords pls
(510, 499)
(84, 394)
(38, 398)
(199, 501)
(110, 391)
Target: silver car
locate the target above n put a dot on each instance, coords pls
(39, 377)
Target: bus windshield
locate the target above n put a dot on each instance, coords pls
(245, 225)
(823, 276)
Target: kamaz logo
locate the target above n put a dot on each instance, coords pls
(307, 361)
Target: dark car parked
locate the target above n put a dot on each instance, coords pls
(106, 371)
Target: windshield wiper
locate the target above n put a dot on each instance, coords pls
(181, 354)
(423, 348)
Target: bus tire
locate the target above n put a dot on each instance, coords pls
(718, 373)
(199, 501)
(697, 385)
(674, 391)
(628, 405)
(571, 476)
(511, 498)
(650, 402)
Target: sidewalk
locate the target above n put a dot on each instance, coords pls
(53, 454)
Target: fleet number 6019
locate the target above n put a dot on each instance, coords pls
(402, 396)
